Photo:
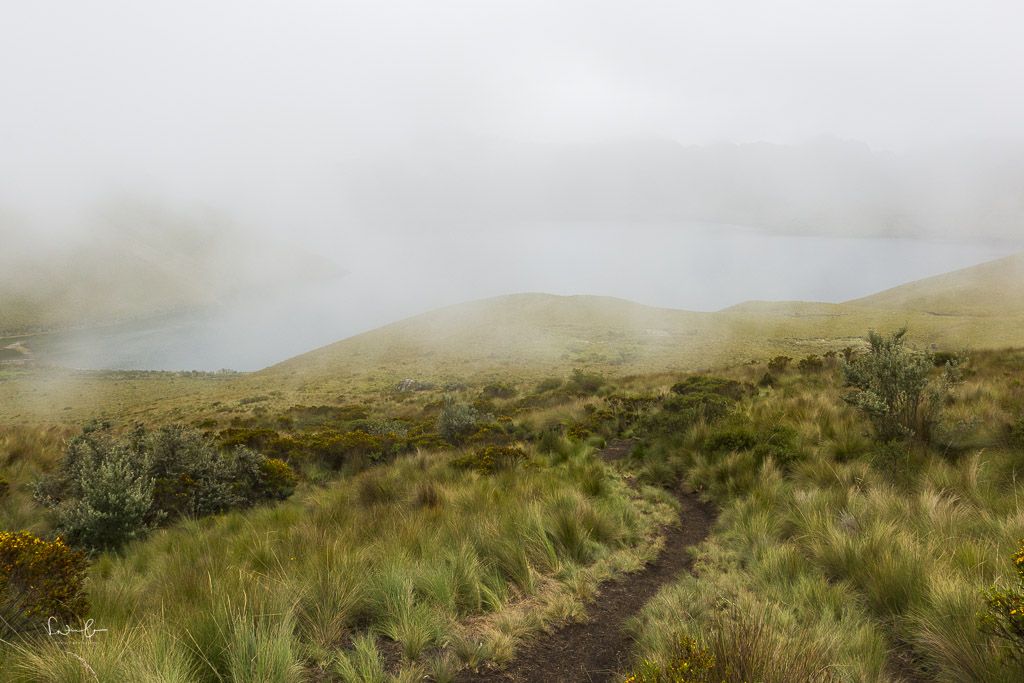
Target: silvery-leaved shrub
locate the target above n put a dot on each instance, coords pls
(895, 387)
(109, 489)
(457, 420)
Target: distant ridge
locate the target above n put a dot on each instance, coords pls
(537, 333)
(990, 289)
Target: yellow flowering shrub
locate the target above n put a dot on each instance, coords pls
(689, 663)
(40, 579)
(1004, 616)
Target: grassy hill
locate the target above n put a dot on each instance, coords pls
(989, 290)
(973, 307)
(538, 335)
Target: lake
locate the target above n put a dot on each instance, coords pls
(695, 267)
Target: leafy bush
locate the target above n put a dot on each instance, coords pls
(779, 364)
(39, 579)
(811, 364)
(706, 384)
(491, 459)
(1017, 434)
(689, 662)
(732, 439)
(457, 420)
(498, 390)
(709, 407)
(892, 385)
(107, 491)
(1004, 614)
(335, 448)
(585, 382)
(549, 384)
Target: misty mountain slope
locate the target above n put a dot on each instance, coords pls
(536, 333)
(535, 330)
(139, 262)
(989, 289)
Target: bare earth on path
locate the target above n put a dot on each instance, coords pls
(592, 651)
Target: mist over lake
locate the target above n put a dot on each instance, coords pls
(392, 276)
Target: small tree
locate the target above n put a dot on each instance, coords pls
(457, 420)
(894, 386)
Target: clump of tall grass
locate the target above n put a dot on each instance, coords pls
(408, 553)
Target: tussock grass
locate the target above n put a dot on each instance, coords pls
(365, 578)
(869, 559)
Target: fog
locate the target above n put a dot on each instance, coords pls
(271, 176)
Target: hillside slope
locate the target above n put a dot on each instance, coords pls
(990, 289)
(539, 333)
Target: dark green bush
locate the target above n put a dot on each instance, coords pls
(39, 579)
(705, 384)
(731, 439)
(498, 390)
(491, 459)
(549, 384)
(585, 382)
(811, 364)
(109, 490)
(779, 364)
(1017, 434)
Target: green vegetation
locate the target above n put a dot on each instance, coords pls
(39, 579)
(331, 519)
(860, 557)
(107, 490)
(894, 386)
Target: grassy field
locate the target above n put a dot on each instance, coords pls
(862, 560)
(404, 554)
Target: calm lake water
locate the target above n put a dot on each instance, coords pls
(701, 268)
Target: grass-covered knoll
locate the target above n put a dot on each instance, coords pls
(401, 554)
(859, 558)
(529, 337)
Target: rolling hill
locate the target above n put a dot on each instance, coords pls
(542, 333)
(536, 335)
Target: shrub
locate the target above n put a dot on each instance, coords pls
(1017, 434)
(39, 579)
(5, 486)
(1004, 613)
(705, 384)
(732, 439)
(585, 382)
(811, 364)
(892, 385)
(498, 390)
(491, 459)
(103, 494)
(334, 448)
(709, 407)
(107, 491)
(688, 662)
(549, 384)
(779, 364)
(457, 420)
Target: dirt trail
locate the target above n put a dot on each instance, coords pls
(592, 651)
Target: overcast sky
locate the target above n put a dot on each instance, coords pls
(257, 103)
(442, 151)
